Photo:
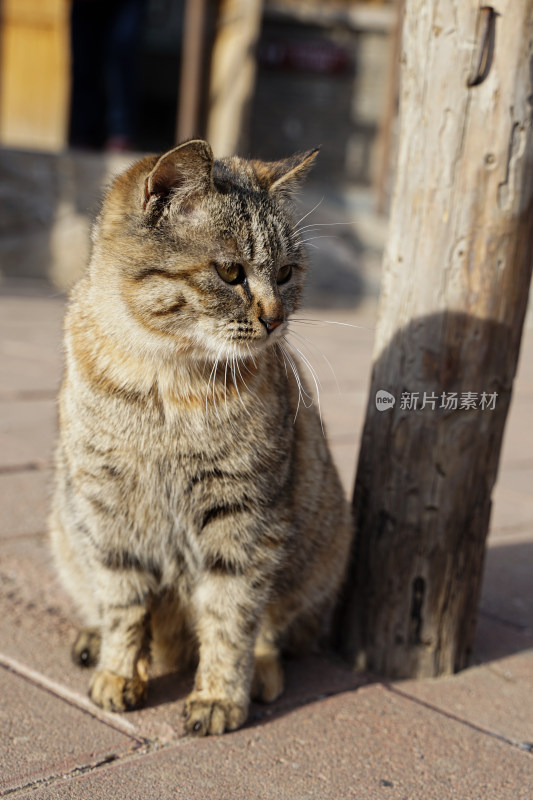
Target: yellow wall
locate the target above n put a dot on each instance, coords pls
(34, 73)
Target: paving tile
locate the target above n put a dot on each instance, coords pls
(306, 679)
(25, 502)
(512, 511)
(336, 380)
(27, 432)
(41, 736)
(517, 446)
(490, 697)
(38, 626)
(28, 376)
(39, 632)
(517, 669)
(524, 373)
(343, 417)
(30, 306)
(364, 745)
(42, 639)
(495, 639)
(27, 571)
(30, 344)
(340, 354)
(343, 412)
(37, 620)
(506, 592)
(518, 480)
(345, 457)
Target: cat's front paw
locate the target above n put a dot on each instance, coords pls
(114, 693)
(210, 716)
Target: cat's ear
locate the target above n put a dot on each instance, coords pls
(184, 172)
(285, 175)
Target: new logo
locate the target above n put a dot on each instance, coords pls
(384, 400)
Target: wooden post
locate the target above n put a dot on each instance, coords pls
(193, 55)
(385, 138)
(457, 270)
(233, 75)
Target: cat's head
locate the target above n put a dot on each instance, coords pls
(204, 252)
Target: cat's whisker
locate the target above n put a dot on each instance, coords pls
(225, 385)
(312, 228)
(297, 231)
(308, 364)
(287, 357)
(308, 213)
(306, 361)
(296, 235)
(276, 348)
(238, 368)
(213, 377)
(231, 367)
(234, 367)
(251, 355)
(311, 321)
(303, 338)
(302, 393)
(241, 361)
(322, 236)
(207, 394)
(214, 384)
(306, 397)
(246, 367)
(315, 380)
(323, 225)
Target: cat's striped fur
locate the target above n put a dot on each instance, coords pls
(197, 512)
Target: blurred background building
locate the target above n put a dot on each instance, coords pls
(85, 83)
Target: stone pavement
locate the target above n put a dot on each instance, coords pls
(334, 734)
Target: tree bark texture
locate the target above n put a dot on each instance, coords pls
(457, 269)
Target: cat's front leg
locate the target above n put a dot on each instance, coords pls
(121, 677)
(227, 615)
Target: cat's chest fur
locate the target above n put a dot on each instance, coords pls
(158, 464)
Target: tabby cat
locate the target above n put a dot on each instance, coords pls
(197, 513)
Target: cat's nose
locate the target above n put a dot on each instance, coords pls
(271, 323)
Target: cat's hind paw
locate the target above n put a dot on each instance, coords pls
(86, 649)
(267, 683)
(203, 717)
(114, 693)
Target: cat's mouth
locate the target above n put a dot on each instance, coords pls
(241, 340)
(262, 340)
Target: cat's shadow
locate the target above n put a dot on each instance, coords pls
(504, 629)
(308, 679)
(169, 687)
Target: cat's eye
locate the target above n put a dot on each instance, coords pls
(285, 274)
(230, 273)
